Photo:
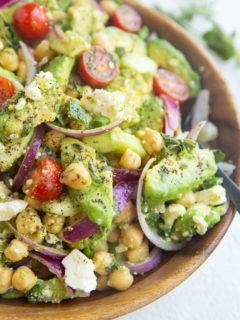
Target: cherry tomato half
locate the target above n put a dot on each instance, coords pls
(31, 21)
(45, 178)
(127, 18)
(97, 67)
(7, 90)
(167, 82)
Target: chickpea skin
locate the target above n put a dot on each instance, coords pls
(52, 140)
(34, 203)
(76, 176)
(43, 50)
(28, 221)
(120, 279)
(153, 141)
(23, 279)
(16, 250)
(5, 278)
(54, 224)
(139, 254)
(130, 160)
(128, 215)
(132, 236)
(114, 235)
(9, 59)
(102, 283)
(102, 260)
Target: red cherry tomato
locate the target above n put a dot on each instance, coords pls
(7, 90)
(31, 21)
(97, 67)
(46, 183)
(127, 18)
(167, 82)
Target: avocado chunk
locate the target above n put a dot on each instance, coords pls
(96, 200)
(12, 151)
(61, 68)
(139, 63)
(11, 76)
(62, 206)
(53, 290)
(167, 56)
(38, 103)
(80, 17)
(173, 176)
(12, 294)
(116, 141)
(151, 115)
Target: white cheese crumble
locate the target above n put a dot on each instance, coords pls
(200, 224)
(79, 272)
(213, 196)
(107, 104)
(33, 92)
(45, 79)
(20, 104)
(10, 209)
(173, 212)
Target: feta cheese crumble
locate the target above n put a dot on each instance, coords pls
(200, 224)
(213, 196)
(10, 209)
(79, 272)
(33, 92)
(20, 104)
(107, 104)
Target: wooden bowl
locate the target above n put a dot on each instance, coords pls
(178, 266)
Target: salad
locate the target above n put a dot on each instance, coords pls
(98, 173)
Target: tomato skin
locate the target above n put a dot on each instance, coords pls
(97, 67)
(31, 21)
(127, 18)
(167, 82)
(7, 90)
(46, 183)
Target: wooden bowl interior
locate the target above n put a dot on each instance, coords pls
(176, 267)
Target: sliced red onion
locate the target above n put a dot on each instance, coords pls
(124, 175)
(24, 262)
(29, 158)
(54, 265)
(80, 230)
(42, 272)
(152, 236)
(58, 32)
(7, 3)
(195, 131)
(123, 192)
(48, 251)
(85, 133)
(172, 116)
(149, 264)
(201, 109)
(30, 62)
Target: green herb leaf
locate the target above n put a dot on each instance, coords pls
(219, 155)
(76, 112)
(113, 266)
(120, 51)
(143, 33)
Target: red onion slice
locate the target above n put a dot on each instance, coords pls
(7, 3)
(85, 133)
(124, 175)
(152, 236)
(30, 62)
(195, 131)
(28, 159)
(123, 192)
(54, 265)
(149, 264)
(48, 251)
(80, 230)
(172, 117)
(200, 110)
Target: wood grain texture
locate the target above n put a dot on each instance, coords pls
(176, 267)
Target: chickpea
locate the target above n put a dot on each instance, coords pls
(9, 59)
(102, 283)
(114, 235)
(101, 245)
(52, 140)
(4, 191)
(102, 260)
(33, 203)
(16, 250)
(120, 279)
(5, 278)
(23, 279)
(76, 176)
(188, 200)
(153, 141)
(22, 71)
(109, 6)
(127, 215)
(28, 221)
(54, 224)
(139, 254)
(130, 160)
(39, 235)
(132, 236)
(103, 40)
(43, 50)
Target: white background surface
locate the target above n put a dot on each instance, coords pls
(213, 292)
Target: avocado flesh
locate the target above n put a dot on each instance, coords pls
(96, 200)
(168, 57)
(174, 176)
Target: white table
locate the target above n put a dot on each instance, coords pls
(212, 292)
